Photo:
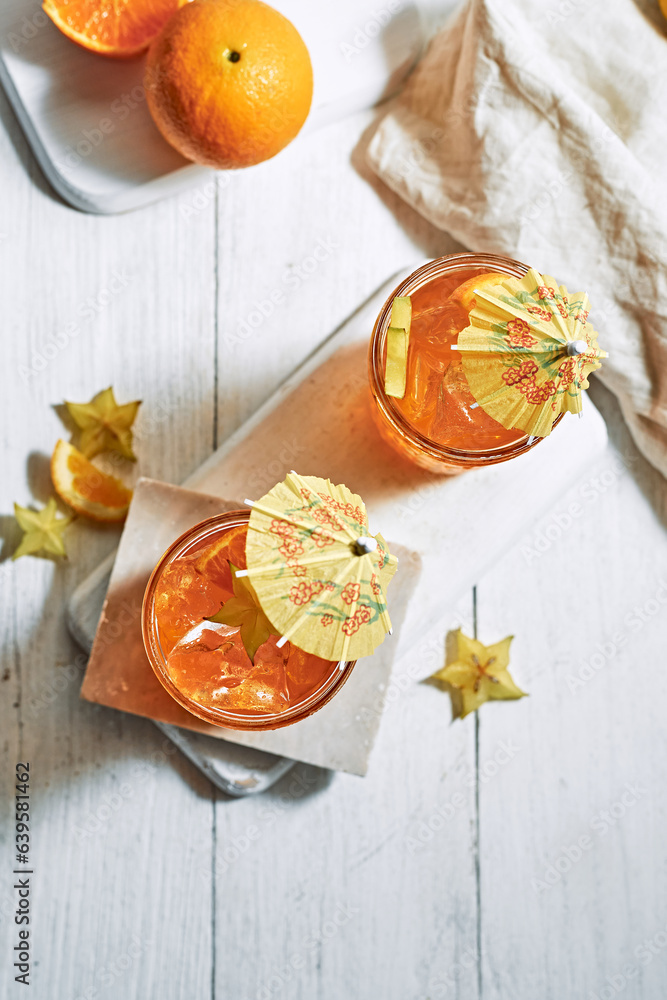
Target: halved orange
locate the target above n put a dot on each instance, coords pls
(119, 28)
(85, 488)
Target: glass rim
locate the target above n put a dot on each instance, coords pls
(417, 279)
(217, 716)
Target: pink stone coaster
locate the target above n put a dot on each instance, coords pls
(340, 736)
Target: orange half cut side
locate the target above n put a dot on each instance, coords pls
(85, 488)
(213, 561)
(120, 28)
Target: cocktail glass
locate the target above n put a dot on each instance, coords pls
(438, 424)
(204, 665)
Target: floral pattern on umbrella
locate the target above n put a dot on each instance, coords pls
(319, 575)
(528, 351)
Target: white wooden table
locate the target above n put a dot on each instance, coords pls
(456, 868)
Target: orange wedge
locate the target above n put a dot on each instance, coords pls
(465, 293)
(119, 28)
(85, 488)
(213, 561)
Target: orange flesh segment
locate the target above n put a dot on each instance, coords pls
(94, 485)
(85, 488)
(215, 558)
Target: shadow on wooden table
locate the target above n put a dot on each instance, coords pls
(648, 478)
(433, 241)
(38, 470)
(10, 536)
(23, 151)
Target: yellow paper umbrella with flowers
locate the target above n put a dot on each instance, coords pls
(318, 574)
(528, 351)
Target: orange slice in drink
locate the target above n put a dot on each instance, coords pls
(465, 293)
(195, 586)
(119, 28)
(213, 561)
(85, 488)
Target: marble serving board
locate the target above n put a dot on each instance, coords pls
(86, 119)
(319, 422)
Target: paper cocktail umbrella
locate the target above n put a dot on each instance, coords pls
(319, 575)
(528, 351)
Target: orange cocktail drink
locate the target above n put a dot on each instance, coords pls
(437, 423)
(204, 665)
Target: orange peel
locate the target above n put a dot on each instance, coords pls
(465, 293)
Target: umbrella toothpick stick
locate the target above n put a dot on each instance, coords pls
(364, 545)
(263, 569)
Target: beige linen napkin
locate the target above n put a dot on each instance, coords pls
(539, 130)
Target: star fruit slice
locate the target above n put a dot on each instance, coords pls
(105, 425)
(42, 530)
(479, 673)
(243, 611)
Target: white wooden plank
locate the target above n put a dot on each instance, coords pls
(562, 915)
(392, 858)
(94, 895)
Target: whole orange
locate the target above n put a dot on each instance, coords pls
(229, 82)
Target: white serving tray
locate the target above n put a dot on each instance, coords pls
(319, 422)
(86, 119)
